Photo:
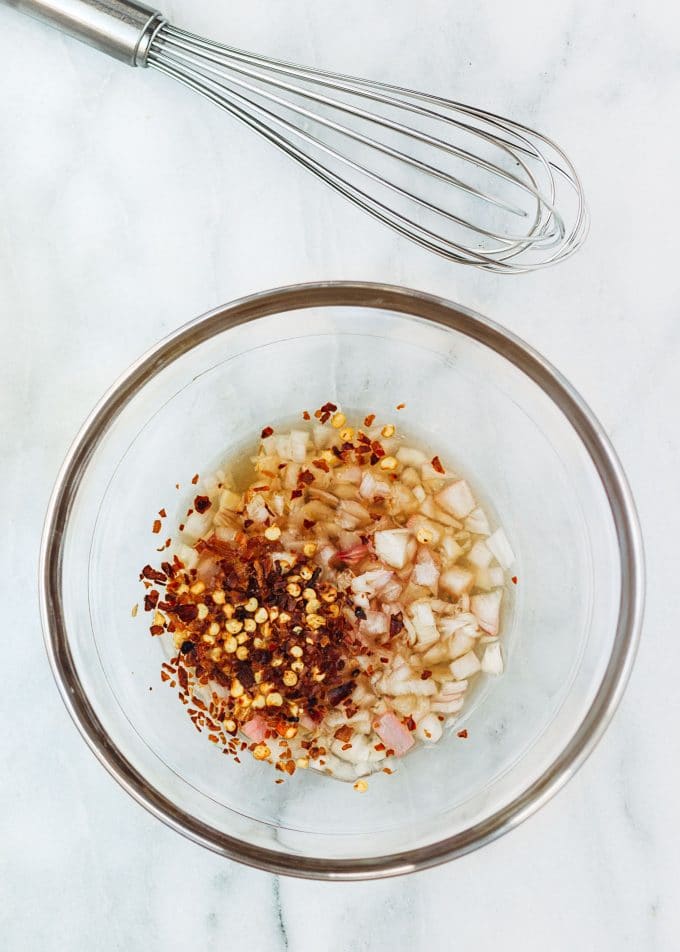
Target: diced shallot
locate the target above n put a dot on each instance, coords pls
(393, 734)
(426, 571)
(410, 457)
(456, 581)
(461, 643)
(492, 659)
(423, 622)
(499, 545)
(456, 499)
(429, 729)
(487, 607)
(371, 582)
(375, 623)
(480, 555)
(477, 522)
(256, 728)
(465, 666)
(353, 555)
(391, 545)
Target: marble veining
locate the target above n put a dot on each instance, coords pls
(128, 207)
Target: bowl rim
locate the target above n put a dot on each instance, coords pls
(452, 316)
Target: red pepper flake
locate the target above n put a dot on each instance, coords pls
(410, 723)
(514, 580)
(462, 734)
(156, 630)
(153, 574)
(194, 479)
(150, 600)
(321, 464)
(181, 527)
(202, 504)
(387, 771)
(260, 489)
(268, 430)
(374, 459)
(308, 523)
(368, 421)
(425, 675)
(162, 513)
(157, 526)
(186, 612)
(306, 477)
(377, 449)
(306, 416)
(401, 406)
(328, 408)
(437, 465)
(176, 485)
(296, 493)
(378, 747)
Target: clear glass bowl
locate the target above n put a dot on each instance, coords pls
(482, 398)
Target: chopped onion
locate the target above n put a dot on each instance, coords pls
(426, 571)
(187, 555)
(456, 499)
(496, 576)
(391, 545)
(348, 474)
(423, 622)
(391, 592)
(429, 729)
(298, 445)
(231, 500)
(451, 548)
(492, 660)
(410, 457)
(448, 626)
(375, 623)
(456, 581)
(460, 644)
(197, 524)
(487, 609)
(465, 666)
(448, 707)
(371, 582)
(499, 545)
(480, 555)
(477, 522)
(393, 734)
(367, 489)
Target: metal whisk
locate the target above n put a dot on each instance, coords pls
(471, 186)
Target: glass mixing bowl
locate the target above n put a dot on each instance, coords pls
(483, 399)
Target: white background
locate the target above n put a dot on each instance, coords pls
(128, 206)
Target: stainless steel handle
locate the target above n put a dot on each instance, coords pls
(122, 28)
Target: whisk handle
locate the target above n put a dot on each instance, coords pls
(122, 28)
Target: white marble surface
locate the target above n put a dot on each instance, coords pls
(127, 207)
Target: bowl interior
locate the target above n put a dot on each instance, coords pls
(482, 414)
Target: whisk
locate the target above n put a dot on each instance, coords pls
(471, 186)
